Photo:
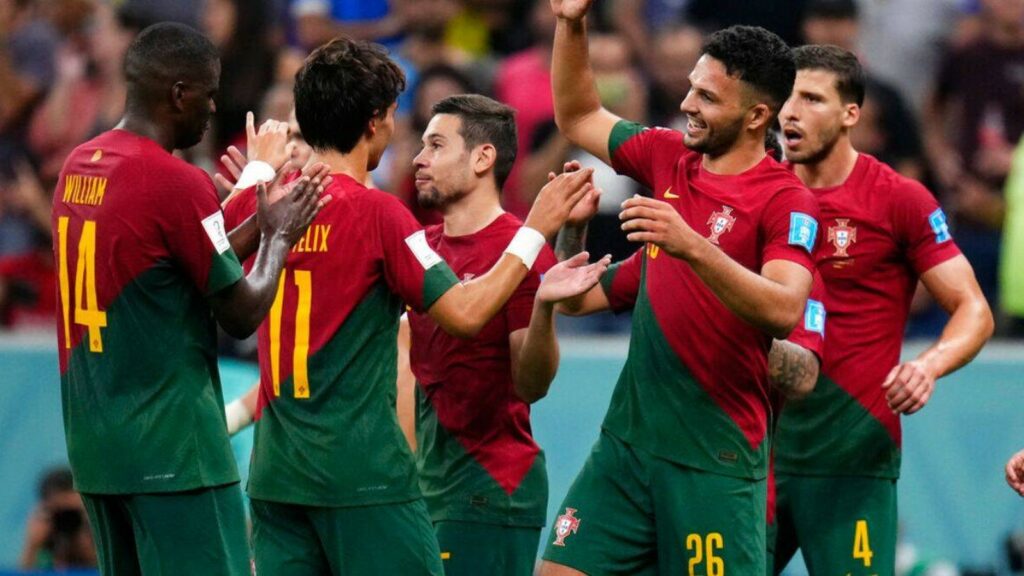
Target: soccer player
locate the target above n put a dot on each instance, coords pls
(676, 480)
(837, 452)
(333, 483)
(143, 258)
(481, 472)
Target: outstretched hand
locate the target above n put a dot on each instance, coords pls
(1015, 472)
(556, 200)
(572, 277)
(585, 210)
(571, 9)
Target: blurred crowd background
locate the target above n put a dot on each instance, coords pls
(945, 105)
(945, 101)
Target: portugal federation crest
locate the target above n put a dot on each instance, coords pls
(842, 236)
(565, 525)
(720, 223)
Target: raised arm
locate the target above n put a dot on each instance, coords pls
(578, 111)
(241, 307)
(535, 348)
(465, 308)
(952, 284)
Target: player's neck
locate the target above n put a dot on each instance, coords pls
(473, 212)
(743, 156)
(353, 164)
(832, 170)
(141, 126)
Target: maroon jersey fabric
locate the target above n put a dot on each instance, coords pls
(467, 396)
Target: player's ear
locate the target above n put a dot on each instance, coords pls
(851, 115)
(758, 116)
(178, 96)
(484, 157)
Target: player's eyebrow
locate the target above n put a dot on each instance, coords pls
(433, 136)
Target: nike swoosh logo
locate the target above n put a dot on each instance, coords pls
(669, 194)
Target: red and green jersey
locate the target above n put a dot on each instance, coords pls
(694, 389)
(326, 429)
(477, 458)
(883, 231)
(139, 242)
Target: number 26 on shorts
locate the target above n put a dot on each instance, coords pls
(703, 558)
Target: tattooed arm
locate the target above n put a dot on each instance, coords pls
(571, 240)
(792, 369)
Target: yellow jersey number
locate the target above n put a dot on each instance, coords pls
(87, 311)
(703, 551)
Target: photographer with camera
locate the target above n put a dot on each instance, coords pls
(57, 535)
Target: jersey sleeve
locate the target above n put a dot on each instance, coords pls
(195, 231)
(411, 267)
(621, 283)
(519, 309)
(240, 208)
(921, 227)
(790, 228)
(635, 150)
(810, 332)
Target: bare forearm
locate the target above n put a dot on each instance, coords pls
(762, 302)
(792, 369)
(537, 363)
(570, 242)
(572, 78)
(465, 309)
(969, 327)
(245, 238)
(241, 308)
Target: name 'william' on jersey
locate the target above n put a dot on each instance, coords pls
(695, 385)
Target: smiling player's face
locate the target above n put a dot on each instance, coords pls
(715, 108)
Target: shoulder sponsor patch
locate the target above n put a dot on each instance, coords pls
(214, 226)
(425, 255)
(937, 220)
(803, 230)
(814, 317)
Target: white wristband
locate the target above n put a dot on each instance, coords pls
(238, 416)
(526, 245)
(255, 171)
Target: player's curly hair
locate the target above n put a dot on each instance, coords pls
(340, 88)
(757, 57)
(843, 64)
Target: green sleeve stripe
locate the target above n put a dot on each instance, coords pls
(224, 271)
(623, 130)
(436, 281)
(609, 277)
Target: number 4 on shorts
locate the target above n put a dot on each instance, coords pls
(861, 545)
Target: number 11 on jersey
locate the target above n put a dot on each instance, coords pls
(300, 356)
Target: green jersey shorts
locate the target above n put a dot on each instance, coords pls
(841, 524)
(199, 532)
(472, 548)
(296, 540)
(629, 512)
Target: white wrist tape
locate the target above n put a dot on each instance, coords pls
(238, 416)
(255, 171)
(526, 245)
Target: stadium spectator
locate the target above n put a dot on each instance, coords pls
(640, 20)
(890, 132)
(523, 81)
(240, 29)
(57, 535)
(782, 17)
(974, 118)
(88, 95)
(674, 53)
(317, 21)
(28, 280)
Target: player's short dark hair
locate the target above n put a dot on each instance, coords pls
(56, 481)
(850, 79)
(485, 121)
(341, 87)
(165, 53)
(831, 10)
(757, 57)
